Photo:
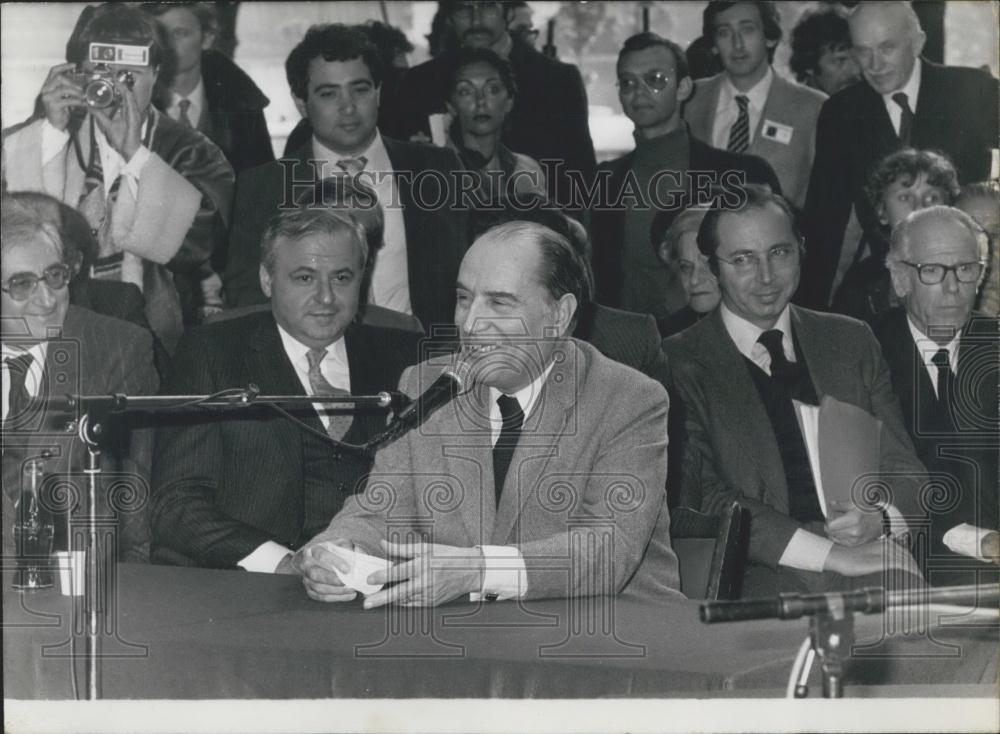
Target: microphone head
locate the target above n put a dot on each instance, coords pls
(461, 374)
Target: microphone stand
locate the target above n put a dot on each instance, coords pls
(831, 617)
(96, 411)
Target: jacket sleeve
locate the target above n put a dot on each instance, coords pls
(187, 471)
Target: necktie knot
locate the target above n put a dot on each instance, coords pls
(781, 368)
(510, 412)
(743, 101)
(941, 360)
(184, 105)
(903, 100)
(315, 358)
(353, 166)
(20, 365)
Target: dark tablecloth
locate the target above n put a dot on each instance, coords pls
(194, 633)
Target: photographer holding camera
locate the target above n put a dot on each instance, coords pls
(157, 194)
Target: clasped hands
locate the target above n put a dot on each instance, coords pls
(426, 574)
(859, 548)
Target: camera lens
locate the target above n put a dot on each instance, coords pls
(100, 93)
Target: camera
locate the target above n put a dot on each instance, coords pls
(98, 85)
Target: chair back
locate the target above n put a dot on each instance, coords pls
(711, 550)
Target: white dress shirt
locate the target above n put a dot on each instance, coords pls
(927, 348)
(805, 551)
(727, 111)
(266, 557)
(390, 279)
(504, 572)
(911, 89)
(197, 99)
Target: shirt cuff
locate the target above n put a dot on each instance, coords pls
(53, 141)
(806, 551)
(132, 171)
(504, 574)
(265, 558)
(967, 540)
(897, 525)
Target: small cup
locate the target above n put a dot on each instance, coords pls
(72, 567)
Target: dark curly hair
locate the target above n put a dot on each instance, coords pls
(331, 42)
(908, 164)
(816, 32)
(467, 56)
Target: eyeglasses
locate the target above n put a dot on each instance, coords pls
(465, 11)
(934, 273)
(20, 286)
(654, 81)
(748, 262)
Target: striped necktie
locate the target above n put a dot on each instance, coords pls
(739, 133)
(340, 421)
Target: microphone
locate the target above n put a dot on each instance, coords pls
(451, 383)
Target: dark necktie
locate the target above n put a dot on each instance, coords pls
(739, 133)
(906, 120)
(185, 119)
(944, 376)
(18, 398)
(781, 369)
(339, 422)
(353, 166)
(95, 207)
(510, 431)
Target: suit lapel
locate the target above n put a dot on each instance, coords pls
(826, 366)
(736, 396)
(269, 365)
(540, 437)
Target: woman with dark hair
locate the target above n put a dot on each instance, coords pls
(481, 93)
(901, 183)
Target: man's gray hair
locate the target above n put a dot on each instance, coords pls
(300, 222)
(910, 17)
(24, 217)
(899, 242)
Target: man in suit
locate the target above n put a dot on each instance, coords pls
(943, 362)
(748, 108)
(669, 169)
(904, 101)
(738, 374)
(51, 348)
(550, 118)
(245, 490)
(120, 164)
(552, 464)
(335, 73)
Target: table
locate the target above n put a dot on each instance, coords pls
(195, 633)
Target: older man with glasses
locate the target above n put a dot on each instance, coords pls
(741, 376)
(50, 348)
(943, 359)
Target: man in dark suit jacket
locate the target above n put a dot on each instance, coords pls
(738, 374)
(948, 109)
(247, 489)
(424, 236)
(943, 360)
(51, 348)
(550, 119)
(653, 82)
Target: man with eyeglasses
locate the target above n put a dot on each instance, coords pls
(748, 107)
(668, 170)
(740, 375)
(903, 101)
(550, 119)
(50, 348)
(943, 359)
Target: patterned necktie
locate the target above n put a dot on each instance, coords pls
(944, 376)
(353, 166)
(781, 369)
(185, 105)
(339, 422)
(739, 133)
(18, 397)
(95, 206)
(512, 418)
(906, 119)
